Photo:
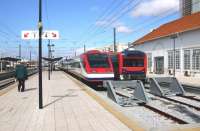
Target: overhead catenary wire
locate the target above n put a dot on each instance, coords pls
(117, 16)
(113, 4)
(112, 14)
(168, 13)
(109, 16)
(171, 12)
(47, 13)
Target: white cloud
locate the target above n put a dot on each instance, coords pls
(104, 23)
(155, 7)
(120, 27)
(124, 29)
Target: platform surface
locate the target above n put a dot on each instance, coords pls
(66, 108)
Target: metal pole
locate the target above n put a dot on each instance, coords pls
(40, 54)
(19, 51)
(114, 32)
(51, 56)
(49, 49)
(30, 56)
(84, 48)
(30, 59)
(174, 67)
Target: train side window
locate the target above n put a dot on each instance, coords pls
(83, 63)
(78, 65)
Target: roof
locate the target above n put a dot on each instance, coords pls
(186, 23)
(52, 59)
(10, 59)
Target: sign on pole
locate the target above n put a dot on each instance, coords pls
(34, 35)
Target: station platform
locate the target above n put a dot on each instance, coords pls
(67, 107)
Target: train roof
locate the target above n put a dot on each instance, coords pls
(133, 52)
(93, 52)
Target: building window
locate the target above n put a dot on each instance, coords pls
(149, 55)
(177, 60)
(186, 59)
(196, 59)
(170, 60)
(195, 6)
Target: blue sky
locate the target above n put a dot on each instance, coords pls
(79, 22)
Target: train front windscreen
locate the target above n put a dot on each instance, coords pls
(98, 61)
(133, 62)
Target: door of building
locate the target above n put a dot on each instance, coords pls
(159, 65)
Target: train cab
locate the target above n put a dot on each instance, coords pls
(133, 65)
(129, 65)
(93, 66)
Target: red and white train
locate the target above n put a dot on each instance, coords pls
(93, 66)
(129, 65)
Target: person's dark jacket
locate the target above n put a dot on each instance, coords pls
(21, 72)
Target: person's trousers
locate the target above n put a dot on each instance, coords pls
(21, 85)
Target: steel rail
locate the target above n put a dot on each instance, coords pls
(190, 97)
(180, 102)
(174, 118)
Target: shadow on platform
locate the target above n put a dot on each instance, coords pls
(59, 98)
(30, 89)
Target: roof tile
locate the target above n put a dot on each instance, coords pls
(183, 24)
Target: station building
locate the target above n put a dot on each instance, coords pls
(173, 45)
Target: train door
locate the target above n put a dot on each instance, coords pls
(159, 65)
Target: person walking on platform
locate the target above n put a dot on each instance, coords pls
(21, 75)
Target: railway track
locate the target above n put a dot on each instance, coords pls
(165, 114)
(159, 111)
(192, 89)
(190, 97)
(170, 114)
(180, 102)
(8, 78)
(6, 82)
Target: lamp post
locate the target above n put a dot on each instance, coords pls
(40, 54)
(174, 36)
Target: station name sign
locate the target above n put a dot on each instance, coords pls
(34, 35)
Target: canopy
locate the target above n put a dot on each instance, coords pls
(10, 59)
(52, 59)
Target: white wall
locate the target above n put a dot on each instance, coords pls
(159, 47)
